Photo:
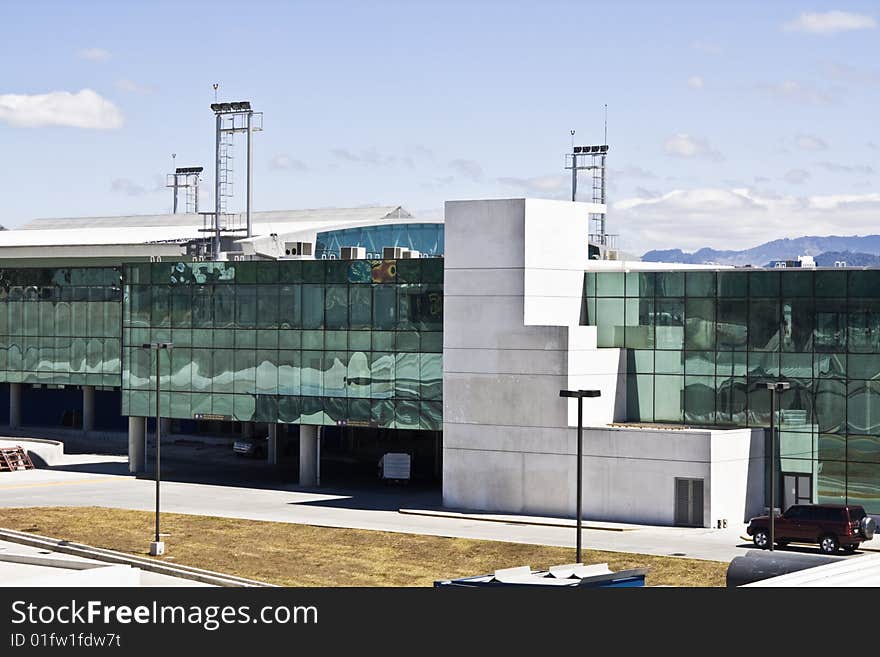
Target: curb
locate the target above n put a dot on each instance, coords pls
(513, 520)
(112, 556)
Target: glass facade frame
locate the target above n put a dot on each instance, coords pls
(296, 341)
(701, 344)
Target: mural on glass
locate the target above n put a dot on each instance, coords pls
(700, 344)
(299, 342)
(60, 325)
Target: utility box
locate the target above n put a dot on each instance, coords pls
(395, 466)
(353, 253)
(298, 249)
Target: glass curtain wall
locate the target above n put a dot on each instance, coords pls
(426, 238)
(700, 344)
(299, 342)
(61, 326)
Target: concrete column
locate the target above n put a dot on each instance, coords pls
(137, 444)
(308, 455)
(272, 447)
(88, 416)
(14, 405)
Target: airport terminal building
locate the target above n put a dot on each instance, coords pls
(351, 347)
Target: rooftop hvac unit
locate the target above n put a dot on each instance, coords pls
(612, 254)
(411, 253)
(393, 252)
(298, 250)
(353, 253)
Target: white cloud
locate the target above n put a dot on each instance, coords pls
(283, 162)
(370, 156)
(811, 143)
(131, 188)
(848, 73)
(830, 22)
(796, 176)
(131, 87)
(469, 169)
(695, 82)
(83, 109)
(737, 218)
(127, 186)
(684, 145)
(552, 186)
(792, 90)
(846, 168)
(707, 47)
(94, 54)
(630, 171)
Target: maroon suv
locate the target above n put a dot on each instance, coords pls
(831, 526)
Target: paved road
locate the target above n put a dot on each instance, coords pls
(107, 483)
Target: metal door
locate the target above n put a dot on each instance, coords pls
(689, 502)
(796, 489)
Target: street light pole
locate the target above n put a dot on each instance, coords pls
(157, 547)
(774, 388)
(579, 394)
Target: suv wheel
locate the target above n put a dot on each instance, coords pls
(829, 544)
(761, 539)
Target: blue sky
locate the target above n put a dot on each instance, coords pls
(729, 123)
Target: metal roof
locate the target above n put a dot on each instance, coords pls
(322, 215)
(142, 229)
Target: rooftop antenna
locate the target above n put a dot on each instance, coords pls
(174, 168)
(605, 141)
(572, 142)
(216, 86)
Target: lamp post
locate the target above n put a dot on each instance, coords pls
(580, 394)
(157, 547)
(775, 388)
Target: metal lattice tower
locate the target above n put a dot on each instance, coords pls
(231, 118)
(186, 178)
(592, 159)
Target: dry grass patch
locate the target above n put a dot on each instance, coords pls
(305, 555)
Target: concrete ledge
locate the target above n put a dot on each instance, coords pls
(111, 556)
(521, 520)
(42, 451)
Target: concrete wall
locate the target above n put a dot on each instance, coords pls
(514, 272)
(737, 475)
(629, 473)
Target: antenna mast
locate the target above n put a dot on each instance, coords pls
(592, 159)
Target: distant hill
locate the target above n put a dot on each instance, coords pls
(784, 249)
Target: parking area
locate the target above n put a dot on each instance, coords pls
(206, 478)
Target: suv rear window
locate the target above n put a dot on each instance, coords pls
(856, 514)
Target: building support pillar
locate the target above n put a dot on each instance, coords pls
(308, 455)
(137, 444)
(88, 412)
(272, 444)
(14, 405)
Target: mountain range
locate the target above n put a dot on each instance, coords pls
(856, 250)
